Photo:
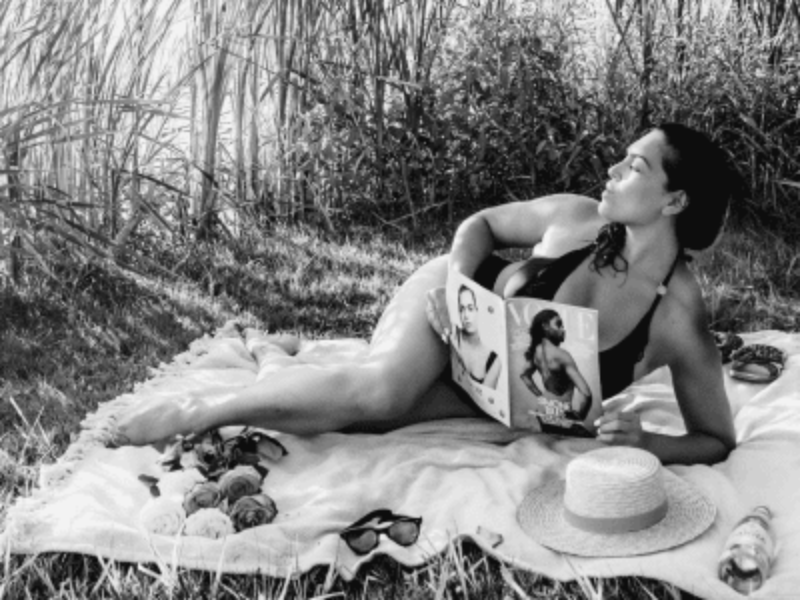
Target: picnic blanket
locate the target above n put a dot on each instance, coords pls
(464, 477)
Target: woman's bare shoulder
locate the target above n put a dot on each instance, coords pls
(573, 221)
(681, 323)
(564, 357)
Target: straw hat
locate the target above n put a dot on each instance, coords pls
(616, 501)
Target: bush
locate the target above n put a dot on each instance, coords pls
(515, 106)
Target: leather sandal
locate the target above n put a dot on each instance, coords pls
(758, 363)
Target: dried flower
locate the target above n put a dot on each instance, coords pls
(241, 481)
(210, 523)
(163, 516)
(202, 451)
(257, 443)
(203, 495)
(251, 511)
(170, 459)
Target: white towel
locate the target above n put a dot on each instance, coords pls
(463, 477)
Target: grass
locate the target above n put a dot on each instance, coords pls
(88, 332)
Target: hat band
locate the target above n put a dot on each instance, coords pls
(635, 522)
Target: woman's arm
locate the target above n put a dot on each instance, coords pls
(585, 397)
(575, 375)
(697, 376)
(527, 379)
(518, 225)
(694, 361)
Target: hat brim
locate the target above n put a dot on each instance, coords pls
(689, 514)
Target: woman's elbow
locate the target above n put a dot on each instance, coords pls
(724, 444)
(729, 444)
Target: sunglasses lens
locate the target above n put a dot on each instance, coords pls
(404, 533)
(361, 541)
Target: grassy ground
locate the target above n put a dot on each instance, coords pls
(86, 333)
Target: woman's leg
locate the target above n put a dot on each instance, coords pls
(390, 386)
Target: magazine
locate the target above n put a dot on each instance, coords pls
(529, 363)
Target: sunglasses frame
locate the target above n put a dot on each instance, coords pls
(383, 516)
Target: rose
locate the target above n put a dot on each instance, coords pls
(239, 482)
(251, 511)
(179, 483)
(203, 495)
(164, 516)
(209, 522)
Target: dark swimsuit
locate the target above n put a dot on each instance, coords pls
(542, 277)
(489, 362)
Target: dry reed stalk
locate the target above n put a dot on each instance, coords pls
(212, 35)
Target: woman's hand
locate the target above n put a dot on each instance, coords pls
(620, 428)
(437, 313)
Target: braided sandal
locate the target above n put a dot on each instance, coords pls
(727, 343)
(758, 363)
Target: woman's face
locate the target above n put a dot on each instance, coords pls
(556, 331)
(637, 191)
(468, 311)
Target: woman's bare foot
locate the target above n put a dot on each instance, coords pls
(286, 342)
(155, 421)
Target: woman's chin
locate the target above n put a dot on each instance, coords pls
(603, 209)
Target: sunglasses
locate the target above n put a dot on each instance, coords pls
(363, 536)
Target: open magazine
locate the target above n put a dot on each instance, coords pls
(529, 363)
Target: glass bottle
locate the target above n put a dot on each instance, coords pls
(749, 551)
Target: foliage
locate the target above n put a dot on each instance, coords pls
(719, 75)
(203, 119)
(517, 125)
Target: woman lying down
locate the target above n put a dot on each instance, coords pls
(624, 256)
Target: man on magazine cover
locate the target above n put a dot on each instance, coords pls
(563, 387)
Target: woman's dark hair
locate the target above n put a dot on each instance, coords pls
(537, 332)
(696, 165)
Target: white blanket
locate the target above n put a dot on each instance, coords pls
(464, 477)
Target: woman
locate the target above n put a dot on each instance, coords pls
(561, 379)
(624, 257)
(481, 363)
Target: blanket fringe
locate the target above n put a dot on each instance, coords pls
(97, 431)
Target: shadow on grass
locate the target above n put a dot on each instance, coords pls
(87, 332)
(86, 337)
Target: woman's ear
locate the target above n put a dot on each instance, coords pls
(677, 204)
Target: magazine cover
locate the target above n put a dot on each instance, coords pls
(529, 363)
(478, 342)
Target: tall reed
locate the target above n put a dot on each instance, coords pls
(189, 117)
